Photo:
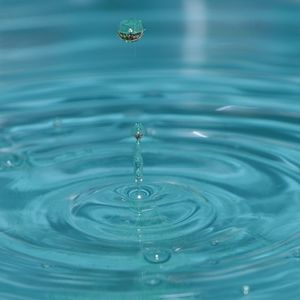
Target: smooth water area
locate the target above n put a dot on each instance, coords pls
(214, 210)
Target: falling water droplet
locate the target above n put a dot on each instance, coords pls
(157, 255)
(246, 290)
(131, 30)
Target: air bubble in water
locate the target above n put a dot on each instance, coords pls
(157, 255)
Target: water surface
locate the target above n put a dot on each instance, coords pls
(217, 86)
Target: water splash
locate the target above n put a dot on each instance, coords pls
(138, 162)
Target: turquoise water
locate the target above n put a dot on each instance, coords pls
(216, 85)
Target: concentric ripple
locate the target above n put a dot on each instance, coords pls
(216, 86)
(220, 209)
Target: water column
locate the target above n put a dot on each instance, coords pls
(147, 215)
(138, 158)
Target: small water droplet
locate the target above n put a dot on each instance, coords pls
(131, 30)
(138, 130)
(214, 242)
(157, 255)
(246, 290)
